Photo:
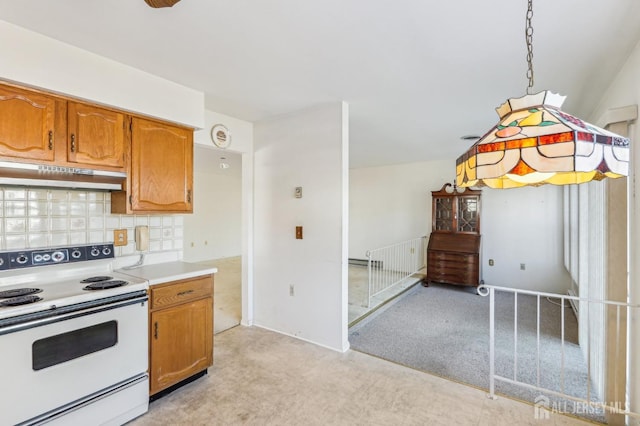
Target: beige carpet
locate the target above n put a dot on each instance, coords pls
(264, 378)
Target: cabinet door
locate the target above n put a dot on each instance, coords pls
(468, 219)
(181, 343)
(161, 167)
(443, 214)
(96, 136)
(26, 124)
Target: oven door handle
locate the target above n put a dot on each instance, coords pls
(64, 313)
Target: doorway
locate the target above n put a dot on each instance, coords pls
(212, 234)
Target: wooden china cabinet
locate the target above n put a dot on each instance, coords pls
(453, 253)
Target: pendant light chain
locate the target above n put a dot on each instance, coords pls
(528, 32)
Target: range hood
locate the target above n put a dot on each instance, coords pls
(45, 176)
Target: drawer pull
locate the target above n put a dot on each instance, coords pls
(184, 293)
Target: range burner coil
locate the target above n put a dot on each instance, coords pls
(97, 279)
(103, 285)
(20, 300)
(17, 292)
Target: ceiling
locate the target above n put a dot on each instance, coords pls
(417, 74)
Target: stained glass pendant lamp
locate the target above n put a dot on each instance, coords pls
(535, 143)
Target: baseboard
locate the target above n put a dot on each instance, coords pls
(345, 346)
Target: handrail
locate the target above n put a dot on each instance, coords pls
(542, 406)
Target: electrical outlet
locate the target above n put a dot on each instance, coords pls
(522, 267)
(119, 237)
(291, 290)
(298, 232)
(490, 262)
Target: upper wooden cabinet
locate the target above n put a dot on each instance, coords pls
(43, 128)
(96, 136)
(27, 124)
(161, 171)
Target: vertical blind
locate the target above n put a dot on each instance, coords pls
(585, 259)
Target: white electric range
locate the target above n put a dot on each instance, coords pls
(74, 333)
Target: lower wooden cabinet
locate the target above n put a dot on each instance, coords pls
(181, 331)
(454, 259)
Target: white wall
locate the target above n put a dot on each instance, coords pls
(393, 203)
(213, 231)
(390, 204)
(624, 91)
(38, 61)
(308, 149)
(524, 225)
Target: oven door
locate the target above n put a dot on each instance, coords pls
(56, 361)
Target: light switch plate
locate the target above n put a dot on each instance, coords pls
(119, 237)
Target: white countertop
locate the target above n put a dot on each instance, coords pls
(169, 271)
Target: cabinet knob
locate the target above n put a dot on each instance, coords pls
(50, 140)
(73, 142)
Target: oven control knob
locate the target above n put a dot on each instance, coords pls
(95, 252)
(1, 261)
(106, 251)
(76, 254)
(37, 258)
(22, 259)
(57, 256)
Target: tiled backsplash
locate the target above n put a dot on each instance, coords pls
(33, 218)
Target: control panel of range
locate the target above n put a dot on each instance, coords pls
(52, 256)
